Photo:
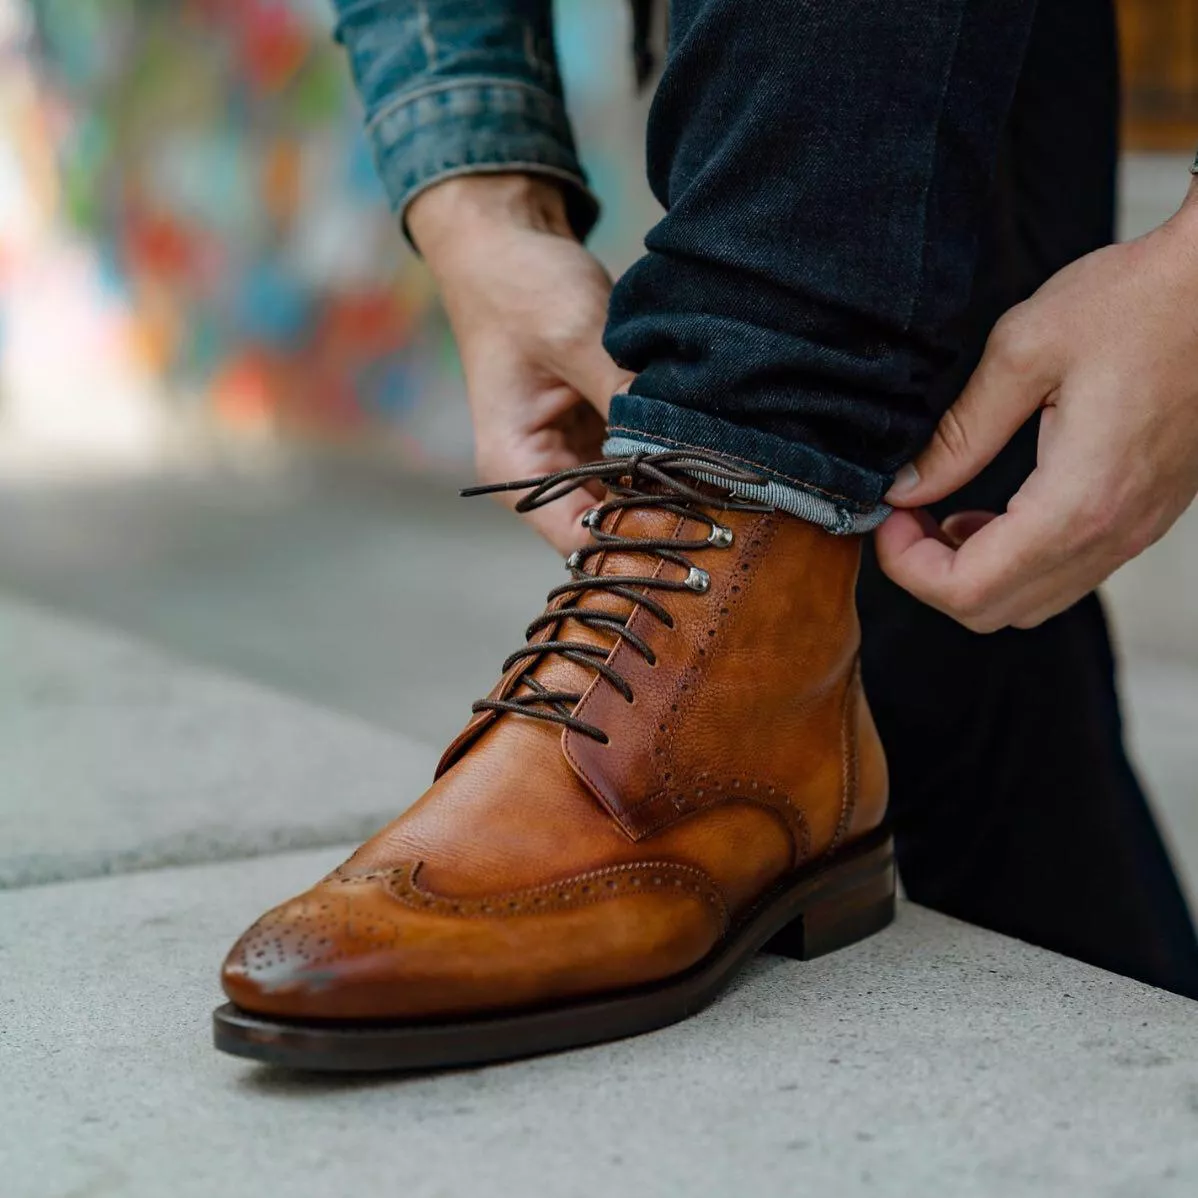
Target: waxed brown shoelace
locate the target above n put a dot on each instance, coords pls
(667, 481)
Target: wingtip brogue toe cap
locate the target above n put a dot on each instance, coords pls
(377, 946)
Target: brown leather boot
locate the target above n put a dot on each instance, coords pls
(677, 770)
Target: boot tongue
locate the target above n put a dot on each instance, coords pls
(558, 673)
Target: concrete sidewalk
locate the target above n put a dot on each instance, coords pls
(932, 1059)
(118, 758)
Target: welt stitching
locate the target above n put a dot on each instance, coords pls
(801, 483)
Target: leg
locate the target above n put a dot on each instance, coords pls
(1024, 814)
(825, 176)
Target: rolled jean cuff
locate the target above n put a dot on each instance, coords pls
(795, 478)
(473, 127)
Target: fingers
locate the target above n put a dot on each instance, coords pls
(1016, 375)
(1007, 570)
(574, 440)
(560, 523)
(960, 526)
(595, 376)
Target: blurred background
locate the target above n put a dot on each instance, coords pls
(231, 419)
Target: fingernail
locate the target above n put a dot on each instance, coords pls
(905, 481)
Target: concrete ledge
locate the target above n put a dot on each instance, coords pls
(116, 757)
(933, 1059)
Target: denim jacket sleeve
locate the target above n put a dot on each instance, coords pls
(456, 87)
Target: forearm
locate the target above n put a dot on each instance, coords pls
(455, 89)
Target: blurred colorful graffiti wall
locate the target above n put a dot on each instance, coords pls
(192, 237)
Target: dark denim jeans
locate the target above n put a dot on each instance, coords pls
(825, 170)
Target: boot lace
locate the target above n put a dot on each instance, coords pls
(667, 481)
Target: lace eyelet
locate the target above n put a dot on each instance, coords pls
(668, 479)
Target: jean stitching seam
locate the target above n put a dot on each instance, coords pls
(622, 428)
(469, 83)
(427, 41)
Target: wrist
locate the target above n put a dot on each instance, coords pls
(456, 213)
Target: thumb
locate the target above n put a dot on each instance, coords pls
(1011, 381)
(560, 522)
(594, 374)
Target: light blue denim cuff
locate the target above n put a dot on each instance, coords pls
(478, 125)
(816, 509)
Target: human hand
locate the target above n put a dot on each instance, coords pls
(1108, 348)
(527, 304)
